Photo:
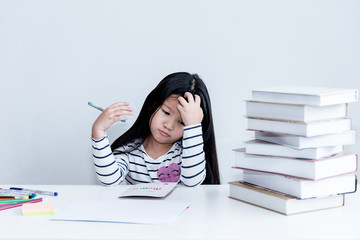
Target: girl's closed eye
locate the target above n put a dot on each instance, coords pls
(165, 112)
(181, 122)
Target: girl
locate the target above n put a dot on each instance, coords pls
(172, 140)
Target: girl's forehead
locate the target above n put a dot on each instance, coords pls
(172, 100)
(175, 96)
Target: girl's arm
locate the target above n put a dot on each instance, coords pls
(109, 170)
(193, 157)
(193, 170)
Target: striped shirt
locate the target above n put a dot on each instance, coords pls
(186, 155)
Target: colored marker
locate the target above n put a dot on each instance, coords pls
(4, 202)
(94, 106)
(13, 197)
(16, 194)
(41, 192)
(99, 108)
(7, 198)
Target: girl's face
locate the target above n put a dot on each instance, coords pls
(166, 125)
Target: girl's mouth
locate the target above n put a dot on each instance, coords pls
(162, 133)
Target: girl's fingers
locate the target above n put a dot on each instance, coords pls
(115, 112)
(190, 109)
(180, 107)
(120, 114)
(120, 108)
(189, 97)
(119, 104)
(119, 118)
(197, 99)
(182, 101)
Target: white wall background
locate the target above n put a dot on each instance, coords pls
(55, 56)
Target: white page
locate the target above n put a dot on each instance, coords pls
(122, 211)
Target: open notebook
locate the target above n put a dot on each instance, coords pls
(149, 190)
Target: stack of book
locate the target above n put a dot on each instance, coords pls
(296, 163)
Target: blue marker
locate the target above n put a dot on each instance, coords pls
(94, 106)
(99, 108)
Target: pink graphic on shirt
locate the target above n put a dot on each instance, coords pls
(169, 174)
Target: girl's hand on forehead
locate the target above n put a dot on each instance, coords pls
(190, 110)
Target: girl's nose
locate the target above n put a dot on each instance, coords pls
(169, 125)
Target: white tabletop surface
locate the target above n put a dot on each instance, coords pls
(212, 215)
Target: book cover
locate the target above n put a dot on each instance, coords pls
(303, 188)
(279, 202)
(259, 147)
(304, 168)
(295, 112)
(308, 129)
(332, 139)
(307, 95)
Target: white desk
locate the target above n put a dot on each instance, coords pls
(212, 215)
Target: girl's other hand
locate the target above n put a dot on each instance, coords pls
(190, 110)
(116, 112)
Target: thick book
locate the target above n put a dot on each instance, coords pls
(295, 112)
(307, 95)
(306, 129)
(304, 168)
(332, 139)
(279, 202)
(302, 188)
(260, 147)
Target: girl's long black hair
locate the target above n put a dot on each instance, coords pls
(177, 83)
